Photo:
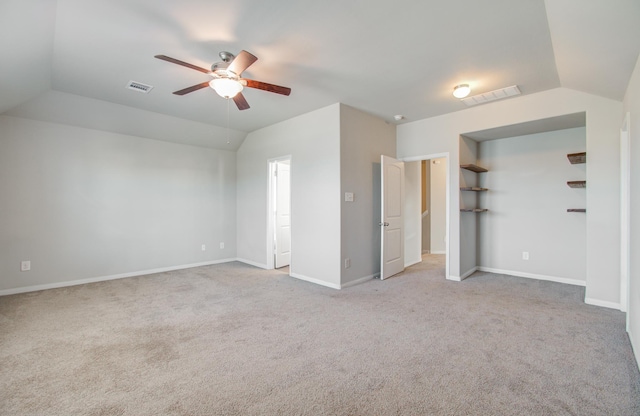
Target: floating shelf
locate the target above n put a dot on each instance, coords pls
(473, 188)
(473, 210)
(577, 210)
(576, 158)
(577, 184)
(474, 168)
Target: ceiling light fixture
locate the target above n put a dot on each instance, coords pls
(226, 87)
(461, 91)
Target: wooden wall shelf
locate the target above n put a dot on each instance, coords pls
(577, 210)
(474, 168)
(473, 188)
(576, 158)
(473, 210)
(577, 184)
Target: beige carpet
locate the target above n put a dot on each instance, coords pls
(235, 340)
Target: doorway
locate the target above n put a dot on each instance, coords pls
(427, 211)
(279, 213)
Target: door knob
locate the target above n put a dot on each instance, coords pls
(386, 224)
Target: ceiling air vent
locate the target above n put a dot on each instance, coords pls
(137, 86)
(492, 96)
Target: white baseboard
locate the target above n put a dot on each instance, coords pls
(636, 351)
(464, 276)
(438, 252)
(313, 280)
(253, 263)
(57, 285)
(603, 303)
(534, 276)
(360, 280)
(412, 262)
(469, 273)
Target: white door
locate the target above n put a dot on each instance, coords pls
(392, 222)
(283, 215)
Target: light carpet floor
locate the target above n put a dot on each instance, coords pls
(231, 339)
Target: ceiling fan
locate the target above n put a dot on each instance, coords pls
(227, 81)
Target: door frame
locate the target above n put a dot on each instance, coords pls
(625, 213)
(271, 222)
(447, 157)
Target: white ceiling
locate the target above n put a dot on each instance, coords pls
(382, 57)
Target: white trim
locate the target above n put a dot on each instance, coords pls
(634, 349)
(412, 262)
(360, 280)
(424, 157)
(439, 252)
(313, 280)
(469, 273)
(625, 216)
(603, 303)
(464, 276)
(556, 279)
(254, 263)
(68, 283)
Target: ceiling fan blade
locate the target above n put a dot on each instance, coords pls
(192, 88)
(241, 62)
(240, 101)
(188, 65)
(267, 87)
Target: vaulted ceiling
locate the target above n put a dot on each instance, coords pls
(382, 57)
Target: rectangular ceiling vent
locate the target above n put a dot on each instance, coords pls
(492, 96)
(140, 87)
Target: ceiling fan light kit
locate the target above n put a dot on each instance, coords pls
(227, 81)
(461, 91)
(226, 87)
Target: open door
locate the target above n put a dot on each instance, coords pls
(282, 250)
(392, 222)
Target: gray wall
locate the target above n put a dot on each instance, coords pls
(441, 135)
(527, 200)
(313, 141)
(363, 138)
(468, 220)
(88, 204)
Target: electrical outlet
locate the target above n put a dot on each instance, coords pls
(204, 247)
(25, 265)
(348, 196)
(525, 255)
(221, 246)
(347, 263)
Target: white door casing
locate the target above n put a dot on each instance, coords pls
(392, 217)
(625, 214)
(282, 250)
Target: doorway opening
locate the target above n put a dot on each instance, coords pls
(427, 211)
(279, 213)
